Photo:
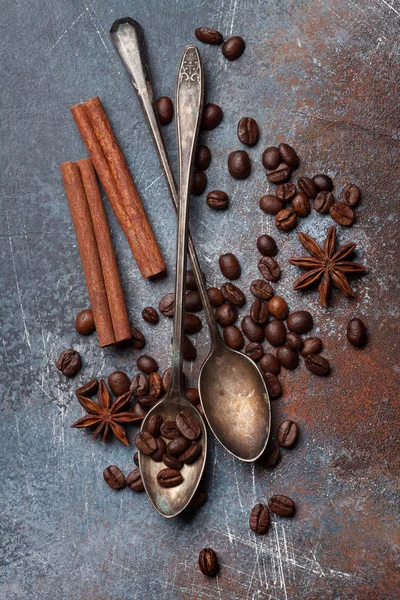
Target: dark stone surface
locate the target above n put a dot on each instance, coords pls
(320, 75)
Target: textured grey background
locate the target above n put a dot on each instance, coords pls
(322, 75)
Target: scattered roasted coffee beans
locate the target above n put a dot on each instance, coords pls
(261, 289)
(136, 458)
(239, 165)
(270, 204)
(259, 519)
(278, 175)
(281, 505)
(357, 333)
(342, 213)
(167, 304)
(138, 340)
(226, 315)
(323, 202)
(253, 332)
(169, 430)
(301, 205)
(300, 321)
(191, 281)
(233, 48)
(189, 352)
(212, 116)
(271, 456)
(229, 265)
(275, 332)
(199, 498)
(247, 131)
(139, 385)
(312, 345)
(286, 219)
(271, 158)
(287, 434)
(155, 385)
(139, 411)
(192, 394)
(233, 337)
(215, 296)
(199, 182)
(119, 383)
(288, 155)
(273, 384)
(191, 323)
(147, 402)
(114, 477)
(351, 195)
(288, 357)
(208, 562)
(285, 192)
(165, 110)
(188, 425)
(177, 446)
(166, 379)
(266, 245)
(69, 363)
(307, 185)
(84, 322)
(208, 36)
(153, 425)
(134, 481)
(294, 341)
(259, 312)
(317, 364)
(323, 182)
(191, 454)
(172, 462)
(202, 158)
(193, 301)
(269, 268)
(218, 200)
(150, 315)
(233, 294)
(278, 308)
(169, 478)
(147, 364)
(145, 442)
(254, 350)
(270, 364)
(88, 389)
(161, 449)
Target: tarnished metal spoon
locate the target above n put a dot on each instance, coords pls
(232, 391)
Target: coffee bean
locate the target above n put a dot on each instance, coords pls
(139, 411)
(134, 481)
(215, 296)
(357, 333)
(147, 364)
(254, 350)
(239, 165)
(147, 402)
(199, 182)
(269, 268)
(233, 294)
(178, 446)
(226, 315)
(199, 498)
(69, 363)
(208, 562)
(271, 158)
(278, 175)
(136, 458)
(193, 301)
(233, 47)
(202, 158)
(191, 281)
(278, 308)
(342, 214)
(289, 155)
(323, 182)
(288, 357)
(88, 389)
(218, 200)
(84, 322)
(351, 194)
(139, 385)
(192, 323)
(300, 321)
(261, 289)
(192, 394)
(168, 478)
(287, 434)
(270, 364)
(229, 265)
(119, 383)
(259, 312)
(212, 116)
(301, 205)
(286, 219)
(191, 454)
(160, 451)
(259, 519)
(165, 110)
(155, 385)
(275, 332)
(233, 337)
(208, 36)
(166, 379)
(294, 341)
(270, 204)
(266, 245)
(251, 330)
(312, 345)
(247, 131)
(150, 315)
(114, 477)
(285, 192)
(153, 424)
(189, 352)
(318, 365)
(273, 385)
(281, 505)
(323, 202)
(188, 425)
(138, 340)
(145, 442)
(172, 462)
(167, 304)
(271, 456)
(307, 185)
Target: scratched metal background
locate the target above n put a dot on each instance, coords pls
(323, 75)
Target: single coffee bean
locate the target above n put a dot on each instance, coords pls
(357, 333)
(84, 322)
(138, 340)
(233, 337)
(251, 330)
(191, 323)
(147, 364)
(119, 383)
(199, 182)
(286, 219)
(233, 47)
(275, 332)
(289, 155)
(278, 308)
(208, 36)
(153, 425)
(191, 454)
(285, 192)
(199, 498)
(261, 289)
(271, 456)
(147, 402)
(247, 131)
(270, 364)
(259, 519)
(281, 505)
(202, 158)
(271, 158)
(150, 315)
(165, 110)
(342, 214)
(145, 442)
(166, 379)
(259, 312)
(239, 165)
(88, 389)
(188, 425)
(160, 451)
(69, 363)
(300, 321)
(172, 462)
(134, 481)
(215, 296)
(351, 194)
(301, 205)
(208, 562)
(136, 458)
(273, 385)
(212, 116)
(266, 245)
(294, 341)
(269, 268)
(178, 446)
(233, 294)
(193, 301)
(323, 182)
(307, 185)
(312, 345)
(169, 478)
(139, 411)
(191, 281)
(318, 365)
(226, 315)
(189, 352)
(270, 204)
(323, 202)
(139, 385)
(254, 350)
(278, 175)
(192, 394)
(114, 477)
(218, 200)
(288, 357)
(229, 265)
(155, 385)
(167, 304)
(287, 433)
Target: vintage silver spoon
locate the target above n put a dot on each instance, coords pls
(232, 391)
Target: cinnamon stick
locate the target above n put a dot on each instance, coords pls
(117, 182)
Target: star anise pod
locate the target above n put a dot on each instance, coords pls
(326, 265)
(106, 416)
